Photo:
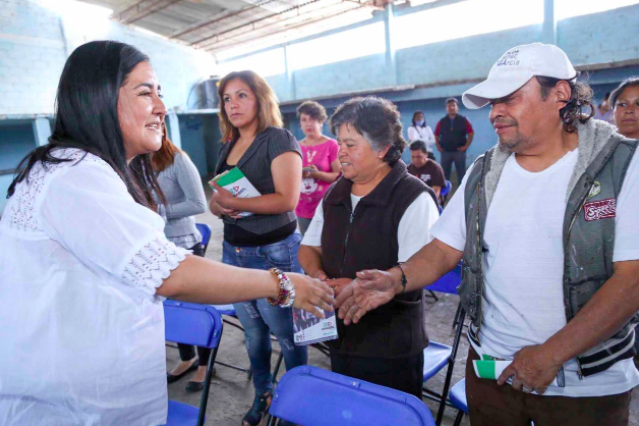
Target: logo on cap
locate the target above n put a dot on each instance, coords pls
(509, 58)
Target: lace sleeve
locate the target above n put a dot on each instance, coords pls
(152, 264)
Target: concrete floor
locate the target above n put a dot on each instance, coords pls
(232, 393)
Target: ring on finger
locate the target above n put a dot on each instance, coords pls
(526, 389)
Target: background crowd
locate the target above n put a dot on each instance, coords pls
(347, 219)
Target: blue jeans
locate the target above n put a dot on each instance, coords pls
(459, 158)
(259, 318)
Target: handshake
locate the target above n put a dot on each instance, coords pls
(355, 297)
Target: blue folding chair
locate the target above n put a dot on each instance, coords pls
(311, 396)
(438, 355)
(229, 310)
(448, 284)
(445, 191)
(458, 399)
(205, 231)
(199, 325)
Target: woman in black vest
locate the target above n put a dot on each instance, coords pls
(375, 215)
(271, 159)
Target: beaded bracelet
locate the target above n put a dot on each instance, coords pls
(286, 296)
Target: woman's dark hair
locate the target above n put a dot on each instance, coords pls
(87, 118)
(629, 82)
(377, 120)
(415, 115)
(313, 109)
(580, 97)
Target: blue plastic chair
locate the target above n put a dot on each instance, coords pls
(446, 190)
(458, 399)
(311, 396)
(448, 284)
(436, 357)
(229, 311)
(199, 325)
(205, 231)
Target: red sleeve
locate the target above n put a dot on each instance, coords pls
(437, 128)
(469, 127)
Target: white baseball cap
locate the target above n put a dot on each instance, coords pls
(515, 68)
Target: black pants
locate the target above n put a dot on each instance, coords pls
(404, 374)
(187, 352)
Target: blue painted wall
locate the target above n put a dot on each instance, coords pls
(596, 39)
(17, 139)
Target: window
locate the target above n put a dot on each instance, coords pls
(355, 43)
(265, 64)
(464, 19)
(569, 8)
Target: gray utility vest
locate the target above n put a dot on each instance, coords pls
(589, 231)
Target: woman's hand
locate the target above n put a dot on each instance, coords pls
(338, 284)
(218, 210)
(311, 294)
(312, 173)
(222, 197)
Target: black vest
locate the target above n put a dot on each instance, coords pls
(367, 239)
(452, 133)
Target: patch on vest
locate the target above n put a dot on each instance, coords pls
(603, 209)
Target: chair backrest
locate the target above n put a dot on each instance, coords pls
(205, 230)
(192, 324)
(446, 189)
(449, 282)
(311, 396)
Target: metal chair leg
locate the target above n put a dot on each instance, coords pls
(457, 314)
(277, 367)
(458, 419)
(433, 295)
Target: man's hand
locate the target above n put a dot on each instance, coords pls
(371, 289)
(532, 369)
(462, 148)
(439, 148)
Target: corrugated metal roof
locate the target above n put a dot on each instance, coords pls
(231, 27)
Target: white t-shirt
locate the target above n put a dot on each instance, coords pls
(523, 267)
(82, 331)
(424, 134)
(412, 234)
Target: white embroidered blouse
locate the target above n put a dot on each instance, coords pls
(81, 329)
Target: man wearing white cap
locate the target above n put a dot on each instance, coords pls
(546, 224)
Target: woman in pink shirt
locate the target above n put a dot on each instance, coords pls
(319, 159)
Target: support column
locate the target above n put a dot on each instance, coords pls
(290, 78)
(391, 62)
(174, 128)
(549, 33)
(41, 130)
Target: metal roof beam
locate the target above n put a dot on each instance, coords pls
(273, 15)
(142, 9)
(209, 21)
(299, 25)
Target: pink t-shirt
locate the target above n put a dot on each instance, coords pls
(313, 190)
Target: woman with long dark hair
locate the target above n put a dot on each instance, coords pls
(270, 158)
(85, 264)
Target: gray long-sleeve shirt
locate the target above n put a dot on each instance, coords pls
(185, 198)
